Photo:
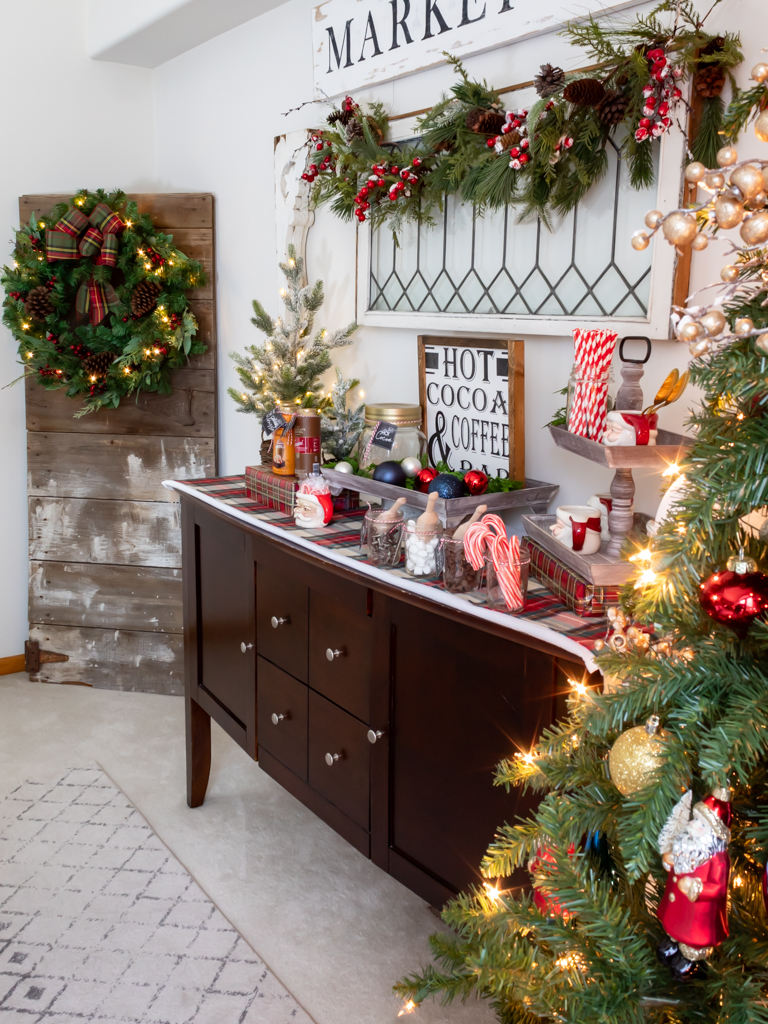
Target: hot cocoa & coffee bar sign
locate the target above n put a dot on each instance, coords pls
(358, 43)
(472, 394)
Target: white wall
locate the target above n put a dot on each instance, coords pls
(70, 122)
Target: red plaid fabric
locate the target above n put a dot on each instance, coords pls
(270, 489)
(74, 222)
(578, 594)
(91, 242)
(97, 302)
(60, 246)
(109, 251)
(105, 220)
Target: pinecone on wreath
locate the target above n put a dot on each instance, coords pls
(342, 117)
(612, 108)
(510, 139)
(709, 81)
(38, 305)
(98, 364)
(485, 122)
(144, 298)
(584, 92)
(548, 80)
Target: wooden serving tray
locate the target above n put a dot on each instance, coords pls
(669, 448)
(451, 511)
(599, 569)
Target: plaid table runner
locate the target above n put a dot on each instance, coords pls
(343, 536)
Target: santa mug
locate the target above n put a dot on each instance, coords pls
(312, 510)
(578, 528)
(602, 503)
(624, 428)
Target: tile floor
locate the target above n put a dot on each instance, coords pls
(330, 926)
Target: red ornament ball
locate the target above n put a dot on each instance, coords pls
(476, 481)
(737, 596)
(423, 479)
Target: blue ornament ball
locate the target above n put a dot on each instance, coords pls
(390, 473)
(447, 486)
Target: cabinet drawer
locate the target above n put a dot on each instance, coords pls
(281, 614)
(340, 644)
(282, 716)
(345, 782)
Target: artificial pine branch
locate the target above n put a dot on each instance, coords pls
(708, 138)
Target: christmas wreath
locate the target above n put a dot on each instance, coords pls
(96, 300)
(542, 160)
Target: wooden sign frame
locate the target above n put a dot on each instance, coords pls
(515, 392)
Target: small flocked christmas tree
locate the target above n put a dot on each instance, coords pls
(341, 427)
(669, 925)
(287, 368)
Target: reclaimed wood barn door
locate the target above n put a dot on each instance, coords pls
(105, 600)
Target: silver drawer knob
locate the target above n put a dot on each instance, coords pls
(246, 647)
(277, 622)
(277, 719)
(330, 759)
(374, 734)
(331, 653)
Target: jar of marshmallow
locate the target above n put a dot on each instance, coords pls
(422, 539)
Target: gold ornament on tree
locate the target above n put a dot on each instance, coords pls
(761, 344)
(748, 179)
(727, 156)
(714, 180)
(754, 230)
(633, 760)
(760, 72)
(694, 172)
(700, 241)
(729, 273)
(728, 212)
(640, 240)
(744, 326)
(761, 126)
(713, 322)
(679, 228)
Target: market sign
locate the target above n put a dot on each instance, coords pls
(359, 43)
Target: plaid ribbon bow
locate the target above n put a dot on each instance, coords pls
(76, 235)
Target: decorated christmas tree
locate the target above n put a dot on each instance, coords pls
(341, 427)
(287, 368)
(647, 853)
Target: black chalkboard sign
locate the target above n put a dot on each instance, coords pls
(384, 435)
(275, 420)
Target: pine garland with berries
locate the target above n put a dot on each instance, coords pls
(96, 300)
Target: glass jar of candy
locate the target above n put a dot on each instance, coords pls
(409, 439)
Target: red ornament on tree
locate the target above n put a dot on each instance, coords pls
(476, 482)
(424, 478)
(735, 597)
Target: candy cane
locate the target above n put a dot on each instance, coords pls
(490, 535)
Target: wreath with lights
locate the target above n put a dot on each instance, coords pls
(96, 300)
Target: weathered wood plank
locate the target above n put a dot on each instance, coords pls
(203, 310)
(105, 596)
(65, 465)
(113, 659)
(168, 210)
(198, 245)
(98, 530)
(180, 414)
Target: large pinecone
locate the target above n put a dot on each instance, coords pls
(612, 108)
(98, 364)
(585, 92)
(144, 298)
(38, 304)
(510, 139)
(548, 80)
(485, 122)
(709, 80)
(342, 117)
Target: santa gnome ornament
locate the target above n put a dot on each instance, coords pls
(693, 910)
(314, 504)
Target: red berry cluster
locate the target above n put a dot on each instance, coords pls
(518, 155)
(47, 371)
(97, 388)
(80, 351)
(154, 257)
(15, 295)
(174, 321)
(328, 162)
(404, 176)
(55, 342)
(36, 244)
(659, 96)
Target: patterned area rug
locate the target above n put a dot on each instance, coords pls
(100, 922)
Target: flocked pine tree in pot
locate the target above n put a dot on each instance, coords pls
(663, 772)
(341, 427)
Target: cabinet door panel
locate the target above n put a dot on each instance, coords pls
(284, 697)
(476, 700)
(345, 782)
(281, 615)
(226, 617)
(343, 627)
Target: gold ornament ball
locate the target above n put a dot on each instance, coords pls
(632, 761)
(760, 72)
(765, 179)
(640, 240)
(699, 348)
(754, 230)
(761, 126)
(713, 322)
(714, 180)
(748, 179)
(728, 212)
(689, 331)
(700, 241)
(761, 344)
(653, 218)
(759, 200)
(727, 156)
(679, 228)
(694, 172)
(743, 326)
(729, 273)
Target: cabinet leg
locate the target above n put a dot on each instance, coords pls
(198, 752)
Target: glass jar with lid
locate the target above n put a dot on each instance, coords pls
(409, 439)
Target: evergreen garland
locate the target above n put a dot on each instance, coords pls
(127, 351)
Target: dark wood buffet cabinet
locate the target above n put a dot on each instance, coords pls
(380, 710)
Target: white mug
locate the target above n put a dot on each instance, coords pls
(603, 503)
(627, 427)
(578, 528)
